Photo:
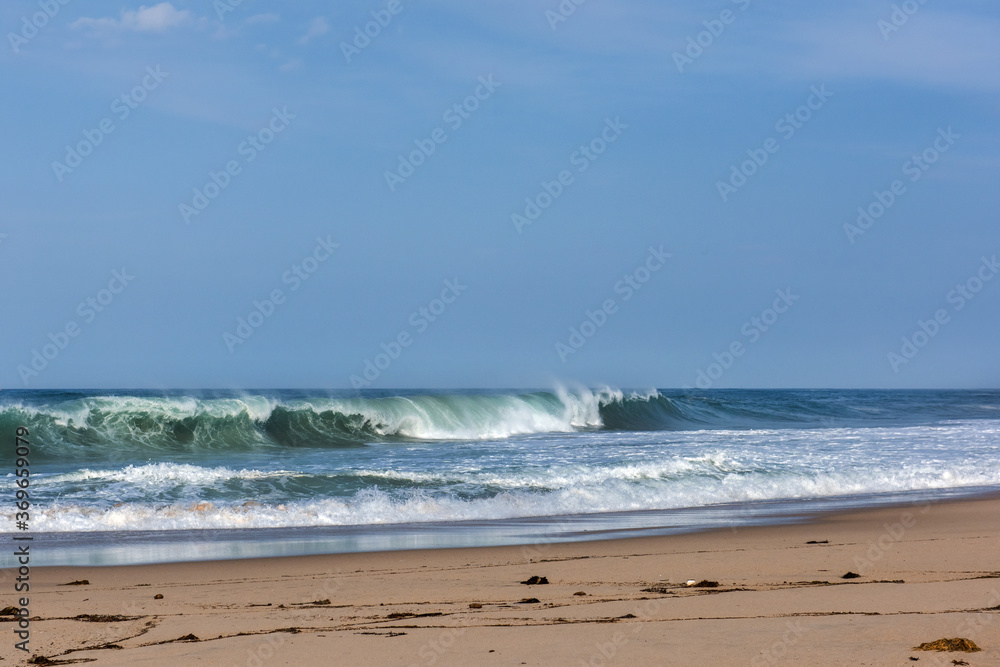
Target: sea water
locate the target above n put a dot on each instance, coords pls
(137, 476)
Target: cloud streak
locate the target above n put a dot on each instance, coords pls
(158, 18)
(317, 28)
(934, 49)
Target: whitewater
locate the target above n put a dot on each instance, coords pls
(154, 462)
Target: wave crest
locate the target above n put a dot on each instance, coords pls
(106, 427)
(106, 424)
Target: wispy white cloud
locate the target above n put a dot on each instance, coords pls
(932, 49)
(953, 48)
(317, 27)
(158, 18)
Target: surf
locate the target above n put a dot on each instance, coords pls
(70, 424)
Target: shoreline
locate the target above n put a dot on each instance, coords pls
(106, 548)
(927, 571)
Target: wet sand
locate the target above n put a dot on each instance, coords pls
(927, 571)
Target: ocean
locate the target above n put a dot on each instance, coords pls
(150, 476)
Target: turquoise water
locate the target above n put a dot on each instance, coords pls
(349, 471)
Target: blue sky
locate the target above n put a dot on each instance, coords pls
(248, 159)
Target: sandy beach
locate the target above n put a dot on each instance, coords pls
(927, 572)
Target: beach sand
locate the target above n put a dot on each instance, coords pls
(927, 572)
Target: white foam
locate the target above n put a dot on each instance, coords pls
(588, 472)
(80, 410)
(160, 474)
(469, 417)
(579, 491)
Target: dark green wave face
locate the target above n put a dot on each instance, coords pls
(144, 461)
(67, 424)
